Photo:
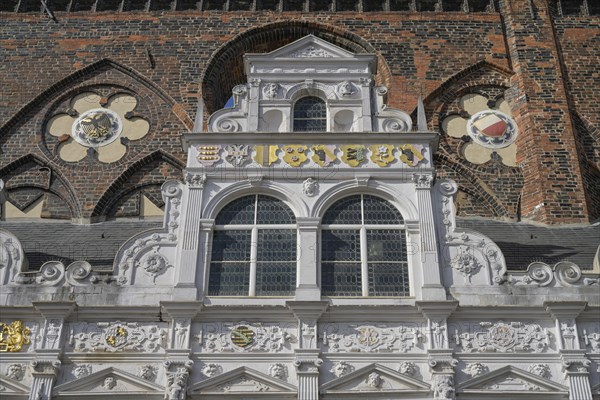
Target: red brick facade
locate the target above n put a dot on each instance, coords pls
(544, 64)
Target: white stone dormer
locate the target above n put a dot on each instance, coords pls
(340, 81)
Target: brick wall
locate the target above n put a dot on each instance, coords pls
(184, 53)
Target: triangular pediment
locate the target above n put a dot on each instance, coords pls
(374, 378)
(309, 47)
(240, 381)
(596, 389)
(108, 382)
(511, 379)
(10, 386)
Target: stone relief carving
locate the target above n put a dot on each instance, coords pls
(132, 253)
(246, 337)
(178, 374)
(562, 274)
(374, 380)
(228, 125)
(11, 255)
(271, 90)
(116, 336)
(237, 154)
(504, 337)
(591, 340)
(148, 372)
(443, 387)
(15, 371)
(423, 181)
(196, 181)
(466, 263)
(476, 369)
(310, 187)
(438, 329)
(568, 334)
(341, 368)
(408, 368)
(542, 370)
(394, 125)
(310, 52)
(278, 370)
(154, 263)
(245, 381)
(82, 370)
(346, 89)
(211, 370)
(109, 383)
(370, 338)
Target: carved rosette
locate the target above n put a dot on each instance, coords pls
(370, 339)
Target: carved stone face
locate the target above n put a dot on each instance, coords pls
(374, 380)
(476, 369)
(81, 371)
(407, 368)
(147, 372)
(15, 371)
(277, 371)
(340, 369)
(109, 383)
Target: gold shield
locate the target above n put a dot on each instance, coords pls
(411, 154)
(382, 154)
(295, 154)
(354, 154)
(266, 154)
(324, 154)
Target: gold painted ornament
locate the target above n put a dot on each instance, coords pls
(295, 154)
(13, 336)
(116, 336)
(411, 154)
(324, 154)
(382, 154)
(242, 336)
(354, 154)
(208, 155)
(266, 154)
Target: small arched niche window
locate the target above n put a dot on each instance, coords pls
(253, 249)
(363, 249)
(310, 115)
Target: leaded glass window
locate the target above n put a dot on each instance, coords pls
(363, 249)
(310, 115)
(253, 249)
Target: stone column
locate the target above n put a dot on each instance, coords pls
(307, 360)
(188, 245)
(44, 373)
(178, 364)
(307, 364)
(307, 287)
(575, 364)
(442, 366)
(432, 282)
(202, 263)
(575, 367)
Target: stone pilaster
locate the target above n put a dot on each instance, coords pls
(188, 245)
(437, 313)
(576, 368)
(442, 364)
(432, 281)
(307, 364)
(44, 373)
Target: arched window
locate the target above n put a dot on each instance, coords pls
(253, 249)
(363, 249)
(310, 115)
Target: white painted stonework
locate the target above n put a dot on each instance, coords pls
(468, 329)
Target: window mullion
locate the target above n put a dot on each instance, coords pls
(364, 264)
(253, 256)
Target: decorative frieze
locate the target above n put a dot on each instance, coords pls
(13, 336)
(562, 274)
(504, 338)
(116, 336)
(246, 337)
(369, 338)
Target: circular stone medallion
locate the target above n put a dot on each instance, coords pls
(242, 336)
(97, 127)
(492, 129)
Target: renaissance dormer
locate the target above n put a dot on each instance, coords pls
(309, 85)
